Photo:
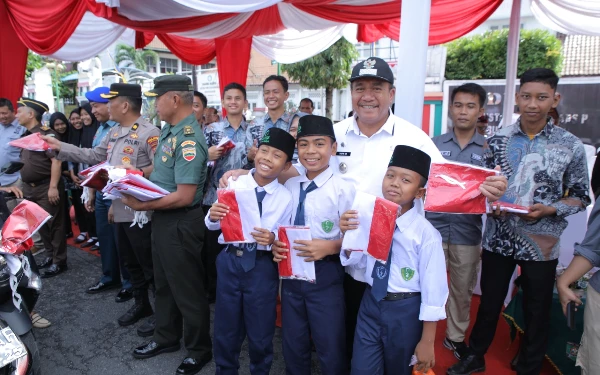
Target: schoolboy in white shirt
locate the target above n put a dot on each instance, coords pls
(406, 296)
(316, 309)
(247, 278)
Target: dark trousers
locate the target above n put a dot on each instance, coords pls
(537, 282)
(353, 294)
(246, 305)
(315, 309)
(67, 214)
(113, 268)
(181, 304)
(135, 247)
(53, 232)
(85, 220)
(387, 334)
(211, 250)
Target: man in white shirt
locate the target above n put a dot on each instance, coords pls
(9, 131)
(366, 142)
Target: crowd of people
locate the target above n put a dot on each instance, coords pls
(363, 316)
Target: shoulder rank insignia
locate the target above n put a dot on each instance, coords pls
(45, 128)
(187, 130)
(135, 127)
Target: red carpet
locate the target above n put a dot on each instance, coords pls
(498, 358)
(75, 229)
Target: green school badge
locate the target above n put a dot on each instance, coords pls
(327, 226)
(407, 273)
(266, 137)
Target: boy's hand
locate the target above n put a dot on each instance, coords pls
(279, 251)
(218, 211)
(499, 213)
(349, 221)
(263, 236)
(425, 356)
(314, 250)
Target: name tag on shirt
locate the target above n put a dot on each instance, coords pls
(446, 153)
(343, 153)
(474, 156)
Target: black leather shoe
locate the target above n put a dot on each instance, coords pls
(152, 349)
(54, 270)
(459, 348)
(89, 243)
(47, 262)
(124, 295)
(140, 309)
(102, 287)
(70, 235)
(147, 328)
(190, 366)
(95, 248)
(470, 364)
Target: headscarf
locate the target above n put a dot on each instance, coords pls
(74, 134)
(60, 116)
(88, 132)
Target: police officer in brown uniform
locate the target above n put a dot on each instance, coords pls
(42, 184)
(131, 144)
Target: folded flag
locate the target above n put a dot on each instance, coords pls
(227, 144)
(377, 220)
(454, 188)
(32, 142)
(26, 219)
(294, 266)
(510, 207)
(93, 168)
(243, 214)
(103, 173)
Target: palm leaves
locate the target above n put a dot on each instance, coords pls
(128, 56)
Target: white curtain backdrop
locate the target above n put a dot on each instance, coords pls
(568, 16)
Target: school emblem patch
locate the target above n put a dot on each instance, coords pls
(381, 272)
(327, 226)
(266, 137)
(407, 273)
(189, 153)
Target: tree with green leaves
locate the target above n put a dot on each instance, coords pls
(130, 57)
(484, 56)
(330, 69)
(34, 61)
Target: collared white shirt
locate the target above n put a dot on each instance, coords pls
(363, 160)
(276, 206)
(9, 153)
(323, 206)
(418, 264)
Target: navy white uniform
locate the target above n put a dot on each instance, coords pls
(246, 301)
(317, 309)
(388, 331)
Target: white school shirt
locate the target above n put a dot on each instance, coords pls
(276, 206)
(363, 160)
(323, 206)
(418, 264)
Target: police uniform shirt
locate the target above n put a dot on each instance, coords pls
(9, 153)
(233, 159)
(363, 160)
(276, 206)
(37, 164)
(459, 229)
(181, 157)
(323, 206)
(134, 145)
(418, 264)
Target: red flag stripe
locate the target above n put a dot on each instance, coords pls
(231, 225)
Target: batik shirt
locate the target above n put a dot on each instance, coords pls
(550, 169)
(233, 159)
(258, 126)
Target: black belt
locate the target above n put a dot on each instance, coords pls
(239, 251)
(38, 183)
(399, 296)
(181, 209)
(330, 258)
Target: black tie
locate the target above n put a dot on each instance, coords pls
(299, 220)
(248, 260)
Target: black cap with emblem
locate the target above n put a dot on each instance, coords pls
(315, 125)
(174, 82)
(280, 139)
(411, 158)
(373, 67)
(36, 105)
(123, 89)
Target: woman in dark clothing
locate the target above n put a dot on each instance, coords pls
(83, 137)
(60, 124)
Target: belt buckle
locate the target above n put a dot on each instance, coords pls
(239, 253)
(32, 184)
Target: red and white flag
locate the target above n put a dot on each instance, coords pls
(32, 142)
(454, 188)
(377, 221)
(23, 222)
(294, 266)
(243, 214)
(510, 207)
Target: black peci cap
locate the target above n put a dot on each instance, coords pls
(280, 139)
(411, 158)
(315, 125)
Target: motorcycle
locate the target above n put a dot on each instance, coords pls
(20, 286)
